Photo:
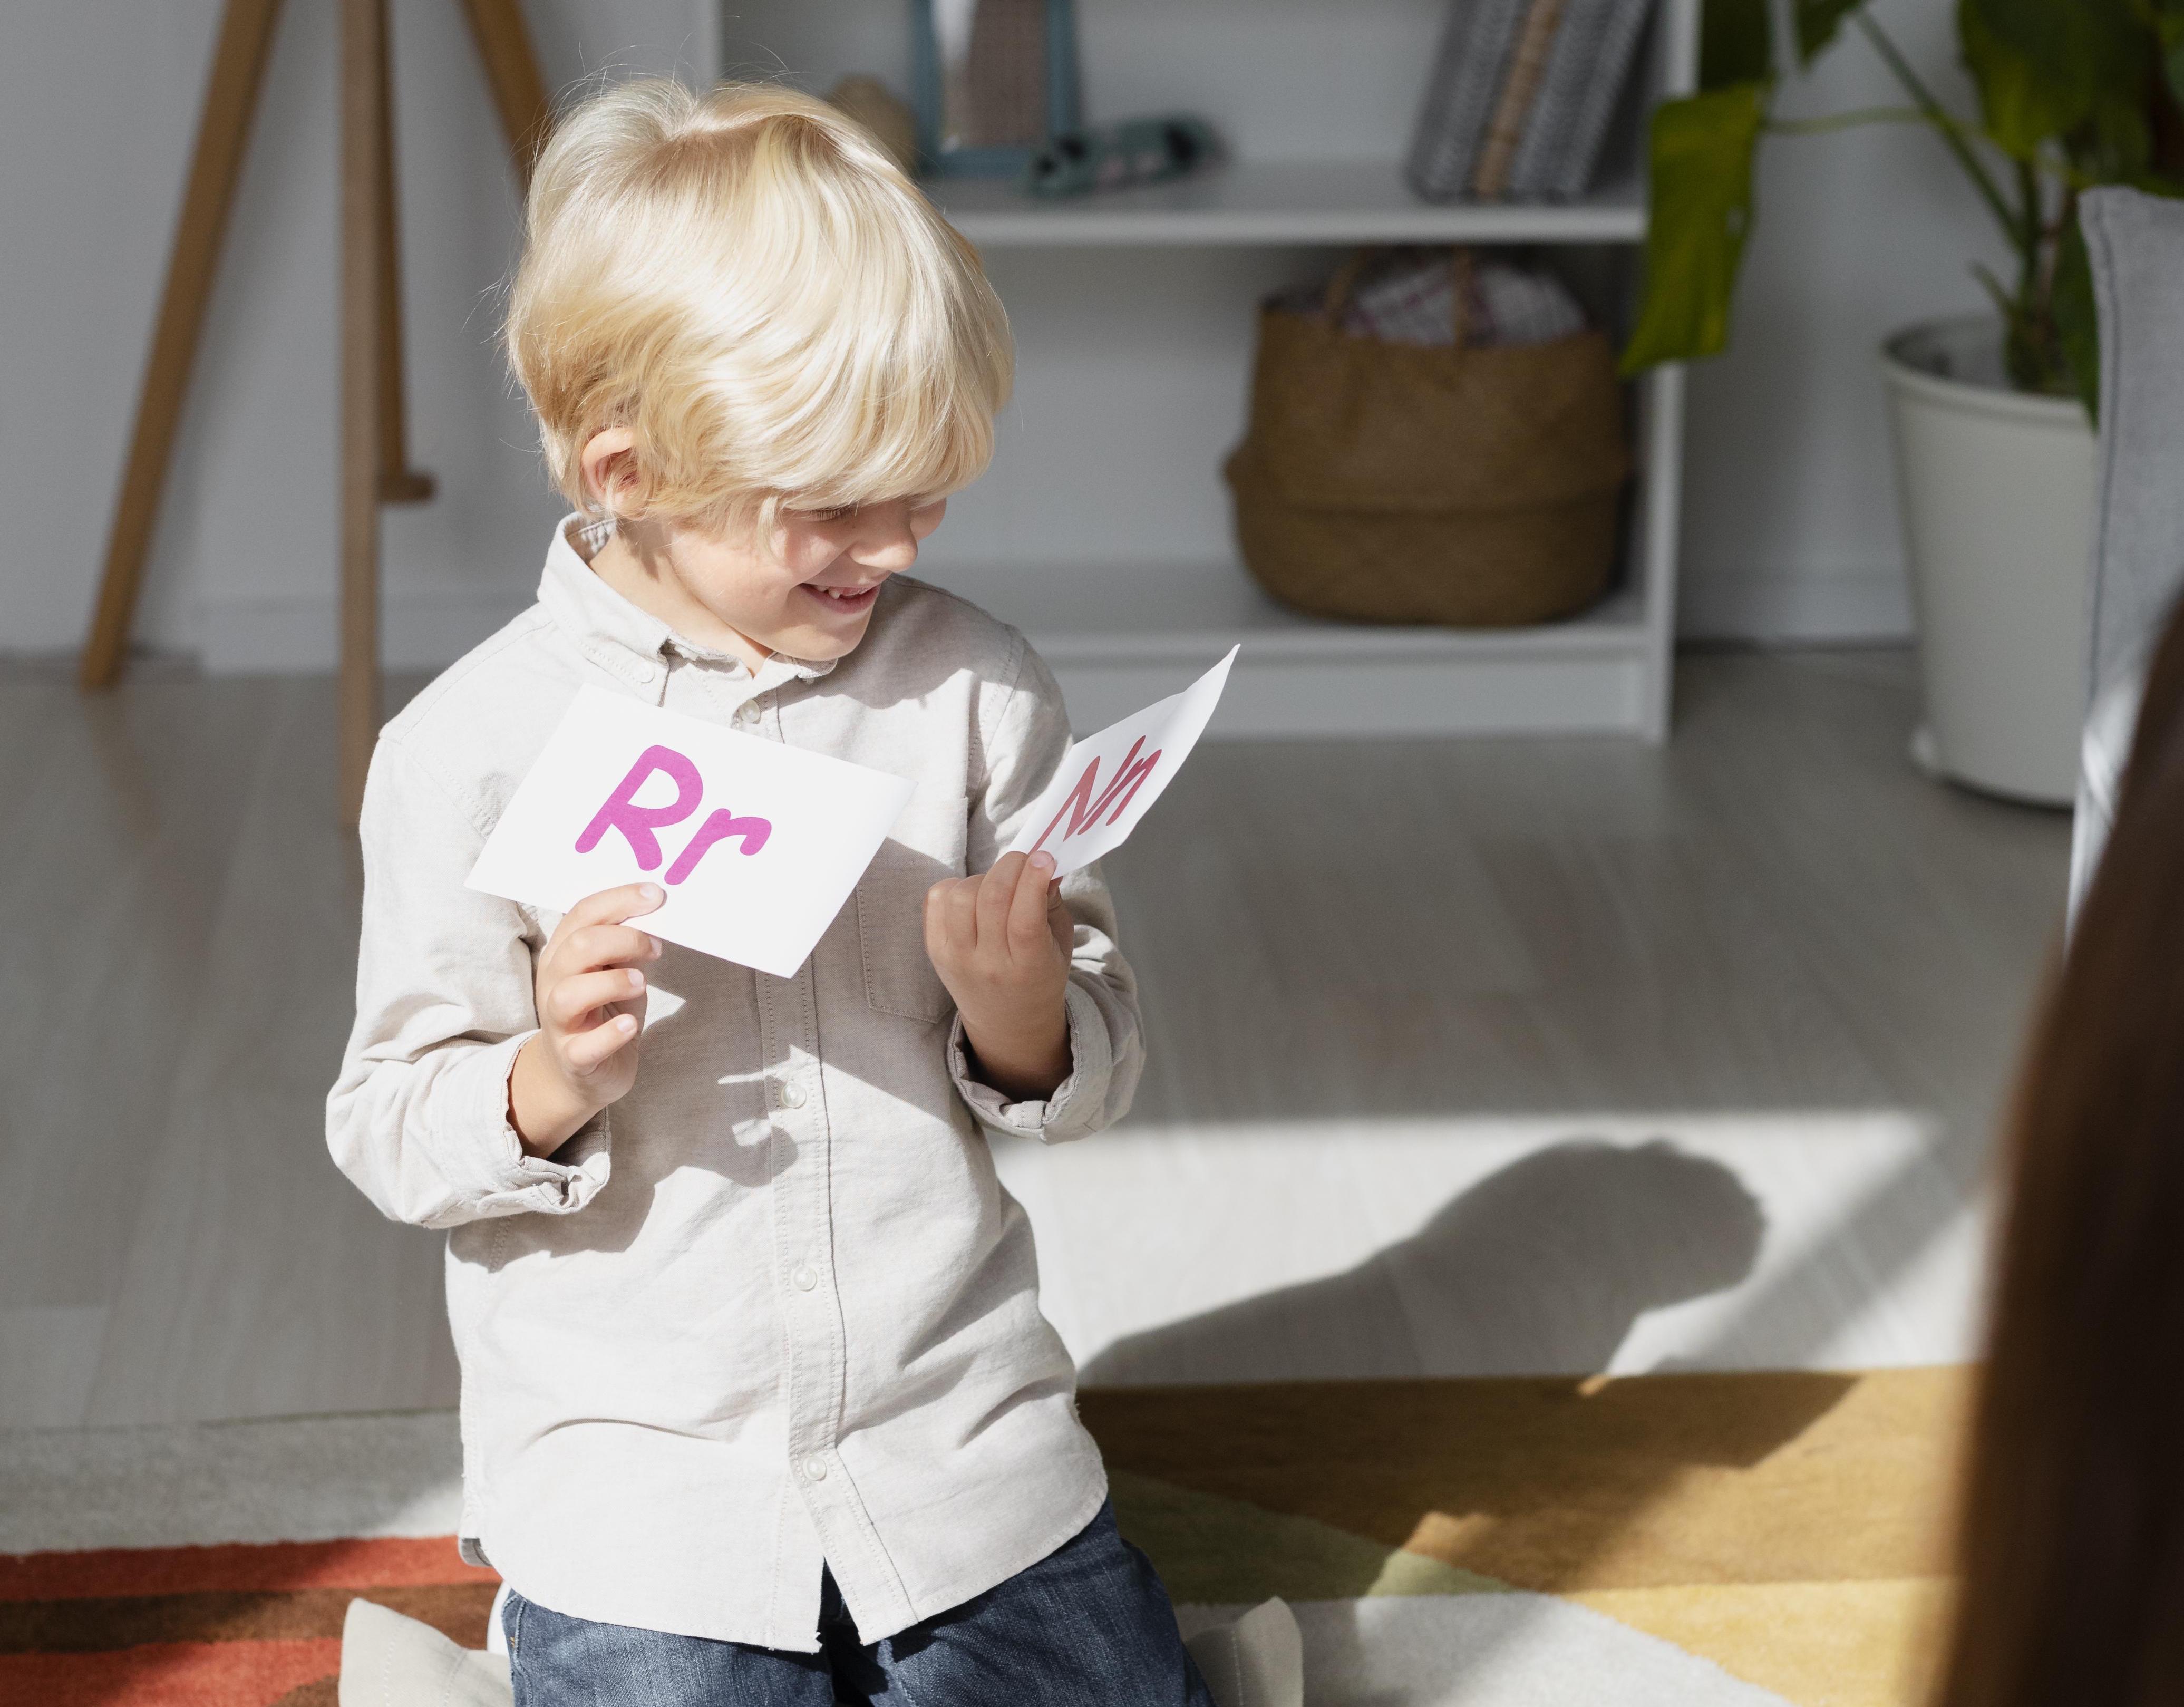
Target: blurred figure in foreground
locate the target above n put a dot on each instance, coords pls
(2071, 1549)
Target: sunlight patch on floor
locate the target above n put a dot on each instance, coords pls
(1488, 1245)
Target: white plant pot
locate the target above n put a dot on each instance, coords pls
(1997, 489)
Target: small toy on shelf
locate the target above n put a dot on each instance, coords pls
(1110, 157)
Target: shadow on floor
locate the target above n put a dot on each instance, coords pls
(1542, 1268)
(1526, 1469)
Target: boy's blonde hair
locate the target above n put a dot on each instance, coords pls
(748, 283)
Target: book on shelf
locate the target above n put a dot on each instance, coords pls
(1467, 76)
(1528, 66)
(1520, 97)
(1586, 70)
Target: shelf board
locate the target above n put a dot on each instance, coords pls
(1278, 202)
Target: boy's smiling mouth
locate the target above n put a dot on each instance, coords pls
(848, 600)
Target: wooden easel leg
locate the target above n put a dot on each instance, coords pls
(398, 483)
(511, 68)
(238, 68)
(362, 155)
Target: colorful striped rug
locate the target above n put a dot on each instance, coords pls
(216, 1626)
(1703, 1540)
(1789, 1528)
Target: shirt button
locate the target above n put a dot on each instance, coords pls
(815, 1469)
(791, 1097)
(747, 714)
(805, 1276)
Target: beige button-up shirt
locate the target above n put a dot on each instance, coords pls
(772, 1308)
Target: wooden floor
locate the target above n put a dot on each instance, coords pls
(1468, 1057)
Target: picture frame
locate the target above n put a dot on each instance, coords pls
(991, 81)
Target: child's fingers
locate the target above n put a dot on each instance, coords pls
(951, 929)
(1026, 917)
(957, 909)
(996, 894)
(587, 1051)
(572, 998)
(612, 907)
(594, 946)
(1059, 920)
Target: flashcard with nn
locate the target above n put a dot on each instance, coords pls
(757, 845)
(1108, 782)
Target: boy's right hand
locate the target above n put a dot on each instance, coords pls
(590, 997)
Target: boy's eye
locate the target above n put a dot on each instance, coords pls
(849, 512)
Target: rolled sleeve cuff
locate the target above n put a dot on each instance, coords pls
(505, 1179)
(1072, 1110)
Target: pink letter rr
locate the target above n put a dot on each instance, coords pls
(717, 829)
(1083, 812)
(637, 822)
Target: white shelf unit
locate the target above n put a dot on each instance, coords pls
(1123, 626)
(1280, 202)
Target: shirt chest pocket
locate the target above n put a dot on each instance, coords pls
(926, 845)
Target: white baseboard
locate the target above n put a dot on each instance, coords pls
(1873, 604)
(285, 636)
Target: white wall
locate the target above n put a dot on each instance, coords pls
(1790, 513)
(1790, 516)
(98, 105)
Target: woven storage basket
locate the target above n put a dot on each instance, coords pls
(1476, 485)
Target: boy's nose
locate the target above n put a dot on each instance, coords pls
(884, 539)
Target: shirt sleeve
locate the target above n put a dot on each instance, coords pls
(419, 1117)
(1106, 1048)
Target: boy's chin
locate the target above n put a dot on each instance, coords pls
(817, 643)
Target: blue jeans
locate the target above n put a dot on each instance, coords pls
(1089, 1625)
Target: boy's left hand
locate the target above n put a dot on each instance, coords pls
(1000, 943)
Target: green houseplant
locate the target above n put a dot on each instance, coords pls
(1989, 414)
(2072, 93)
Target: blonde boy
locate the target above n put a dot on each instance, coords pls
(758, 1405)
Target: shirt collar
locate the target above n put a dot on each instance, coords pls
(622, 639)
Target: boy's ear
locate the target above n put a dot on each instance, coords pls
(608, 467)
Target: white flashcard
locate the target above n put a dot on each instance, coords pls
(1109, 781)
(757, 845)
